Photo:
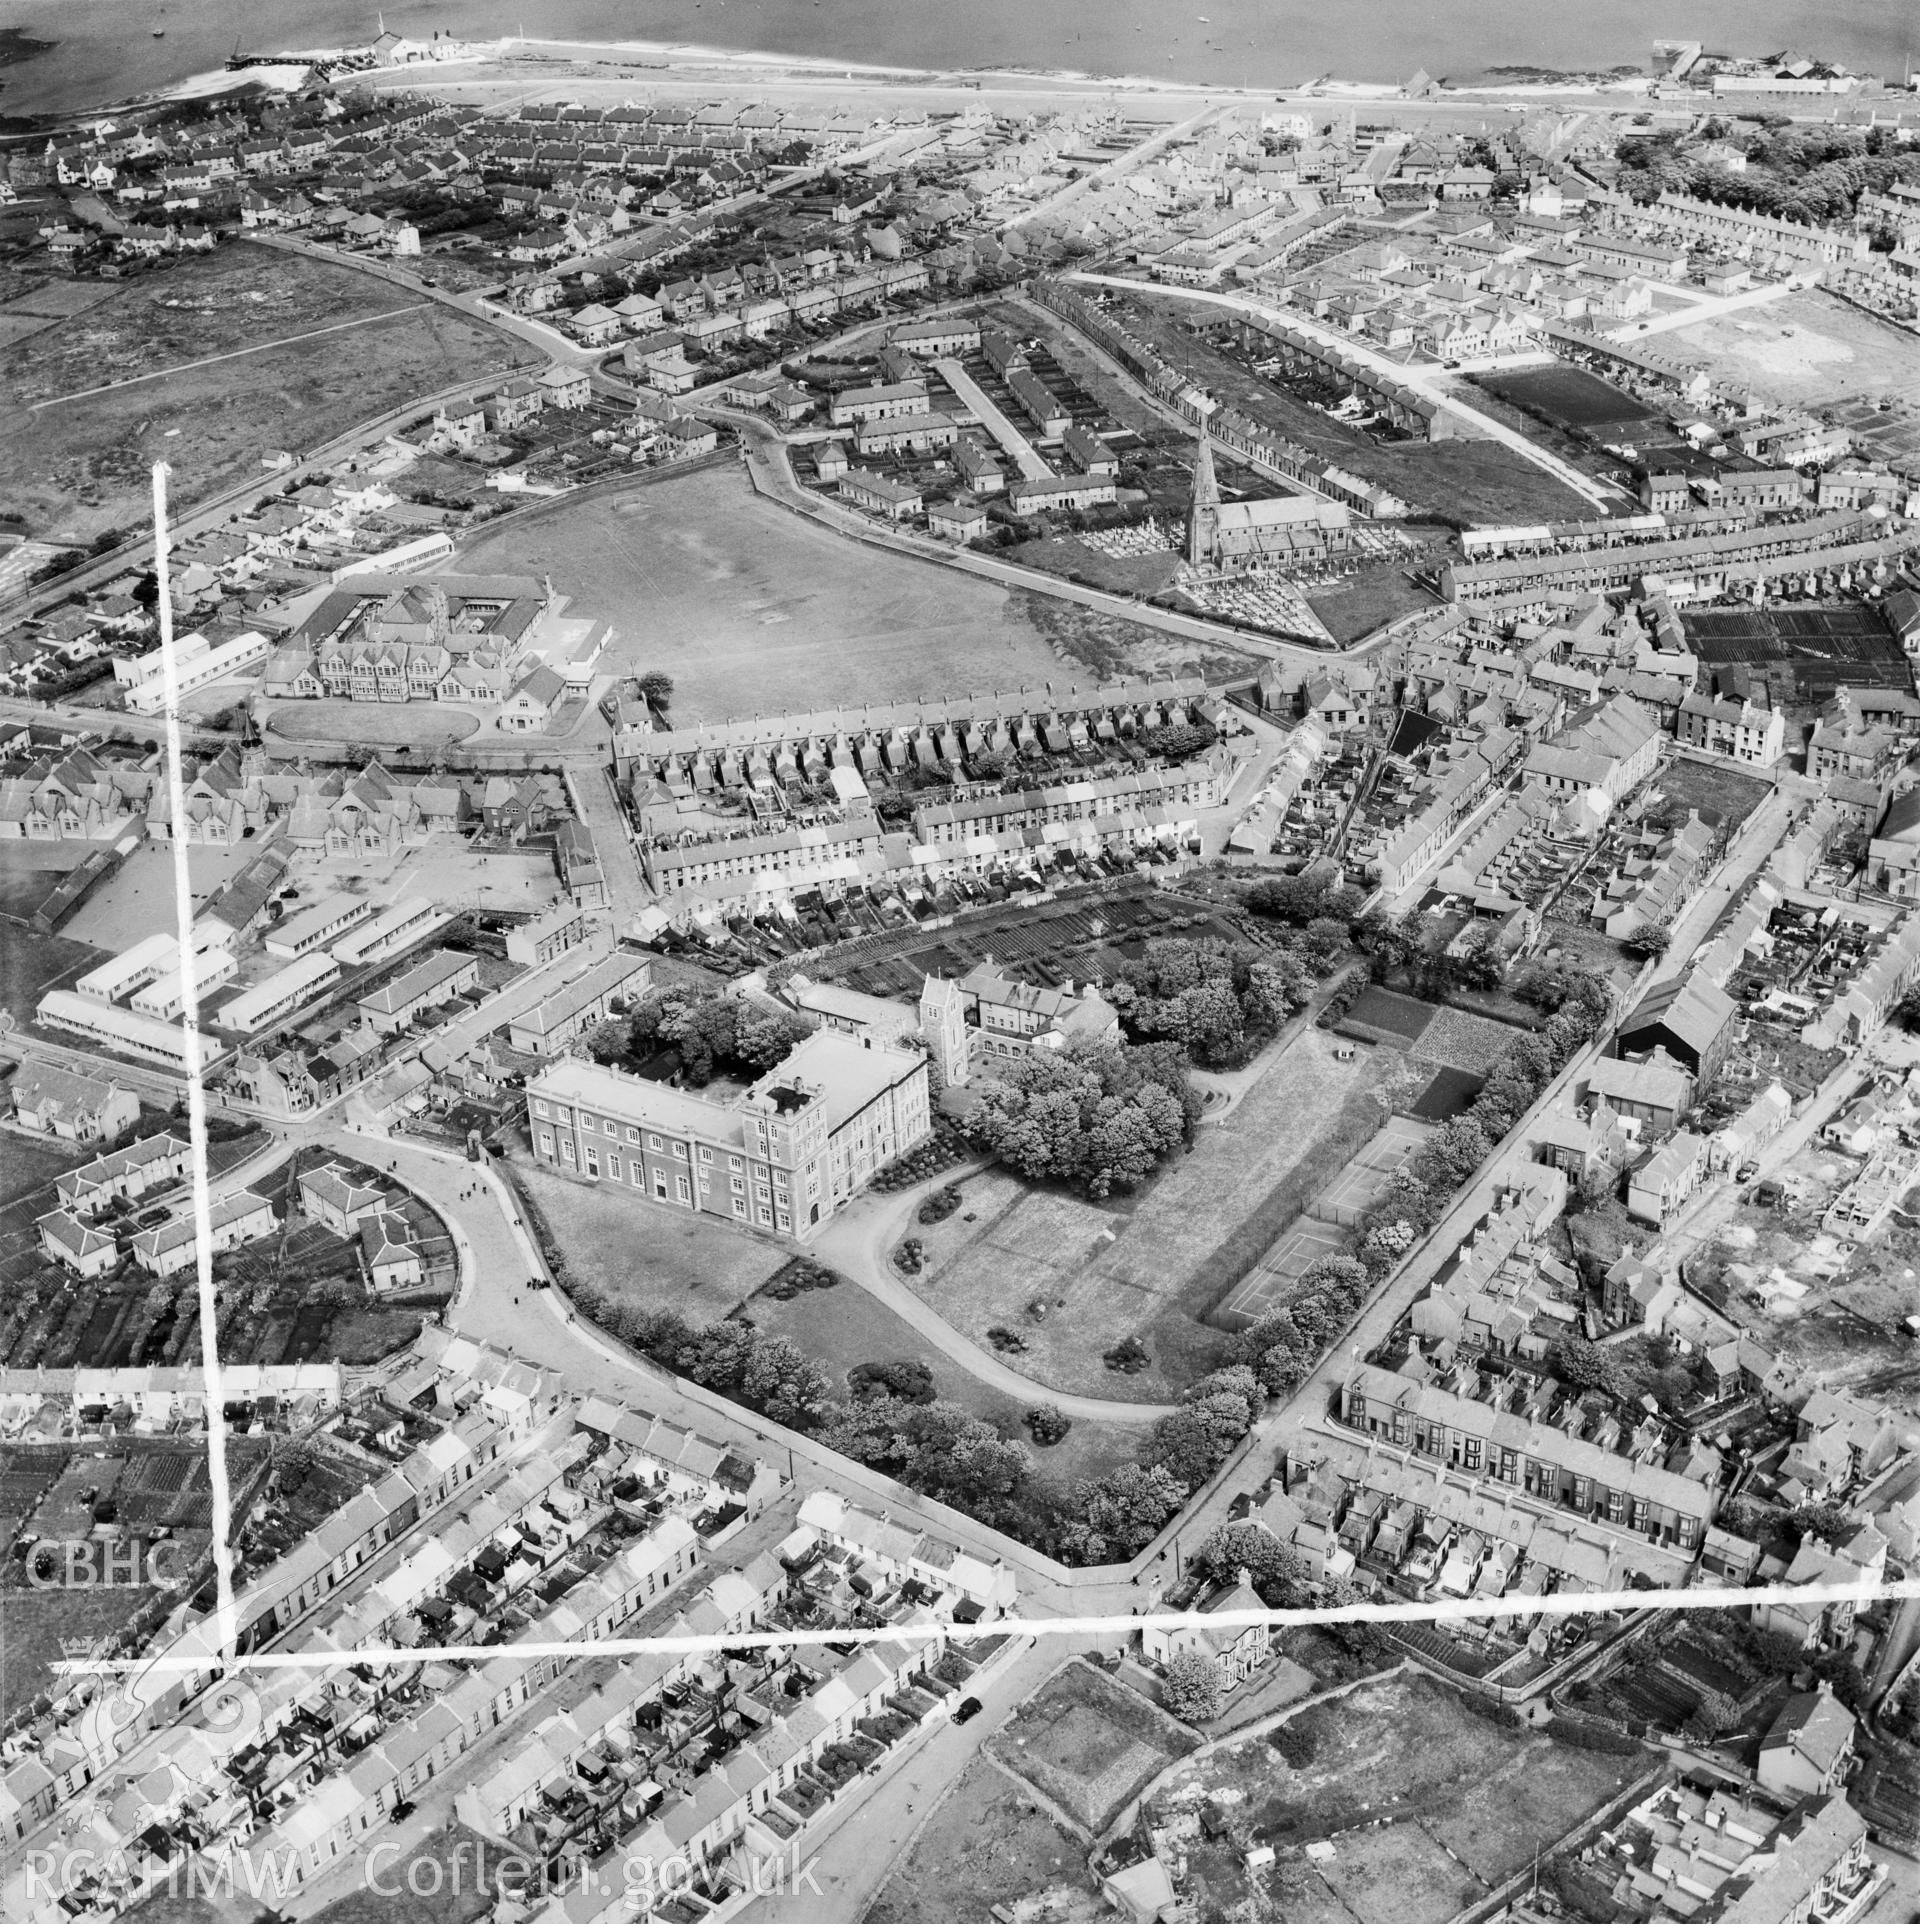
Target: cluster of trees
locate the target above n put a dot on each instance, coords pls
(711, 1032)
(1097, 1115)
(1301, 899)
(889, 1422)
(1194, 1687)
(1810, 174)
(1116, 1516)
(1283, 1346)
(1218, 1000)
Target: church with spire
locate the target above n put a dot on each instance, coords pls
(1203, 517)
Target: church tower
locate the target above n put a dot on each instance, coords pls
(1203, 518)
(943, 1027)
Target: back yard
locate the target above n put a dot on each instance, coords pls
(989, 1844)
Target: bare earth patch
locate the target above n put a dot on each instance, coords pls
(1427, 1805)
(987, 1845)
(1090, 1744)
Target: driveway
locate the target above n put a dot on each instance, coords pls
(858, 1242)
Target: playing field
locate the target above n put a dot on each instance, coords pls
(1353, 1185)
(1569, 397)
(753, 610)
(75, 462)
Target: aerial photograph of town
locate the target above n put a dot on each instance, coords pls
(959, 964)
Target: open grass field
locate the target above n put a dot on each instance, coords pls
(1474, 481)
(1569, 396)
(1804, 349)
(648, 1257)
(31, 964)
(1090, 1743)
(752, 610)
(987, 1845)
(1466, 1803)
(1157, 1265)
(79, 466)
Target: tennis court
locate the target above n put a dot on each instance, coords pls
(1364, 1180)
(1271, 1280)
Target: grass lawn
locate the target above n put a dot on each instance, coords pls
(1090, 1743)
(1469, 1802)
(424, 724)
(649, 1256)
(31, 964)
(81, 466)
(663, 1259)
(987, 1845)
(1158, 1264)
(35, 1625)
(1367, 599)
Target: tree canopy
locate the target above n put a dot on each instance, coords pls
(714, 1032)
(1218, 1000)
(1098, 1115)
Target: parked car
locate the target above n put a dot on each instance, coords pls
(970, 1708)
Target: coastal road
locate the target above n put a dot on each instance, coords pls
(1427, 380)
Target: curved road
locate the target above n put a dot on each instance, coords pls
(858, 1242)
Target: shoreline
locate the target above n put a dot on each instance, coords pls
(685, 63)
